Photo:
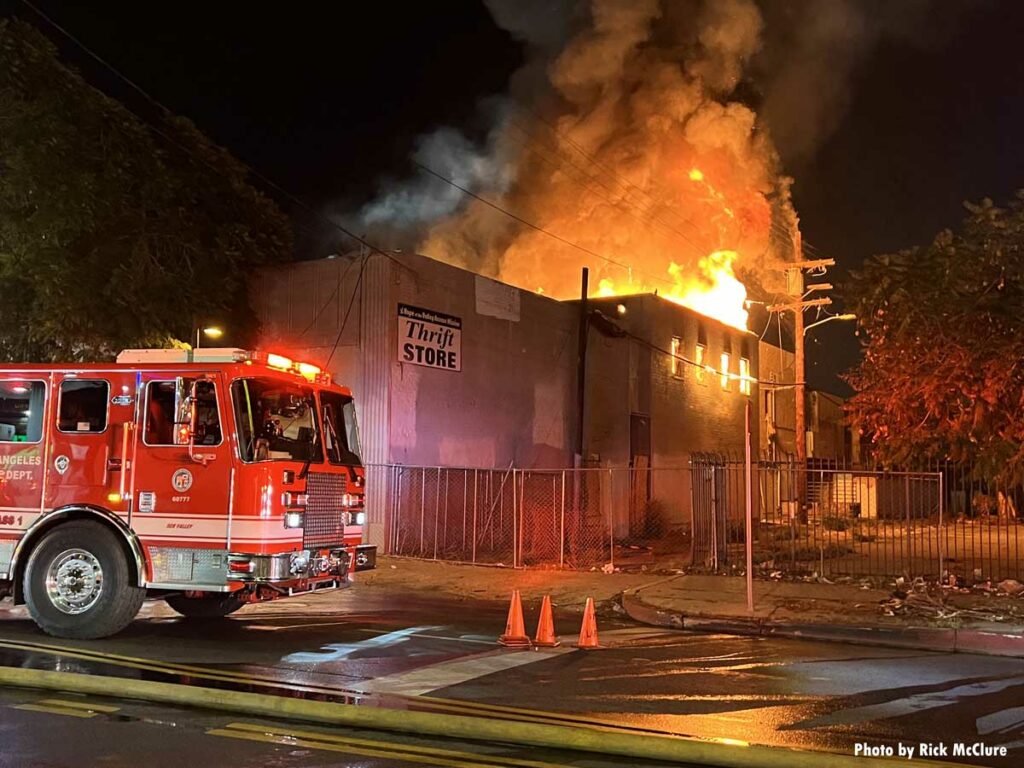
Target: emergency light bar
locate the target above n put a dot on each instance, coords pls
(207, 355)
(308, 371)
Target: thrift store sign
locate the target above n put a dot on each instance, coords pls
(429, 338)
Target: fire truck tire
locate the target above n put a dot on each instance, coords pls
(213, 606)
(78, 583)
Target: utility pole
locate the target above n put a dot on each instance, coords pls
(581, 366)
(797, 290)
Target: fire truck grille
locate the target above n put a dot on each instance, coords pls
(324, 523)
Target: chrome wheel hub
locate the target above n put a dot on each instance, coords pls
(74, 581)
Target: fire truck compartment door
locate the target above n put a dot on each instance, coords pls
(85, 431)
(178, 500)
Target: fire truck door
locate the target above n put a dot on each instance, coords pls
(87, 439)
(182, 498)
(23, 406)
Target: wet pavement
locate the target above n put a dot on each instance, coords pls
(405, 650)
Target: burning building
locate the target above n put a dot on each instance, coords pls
(453, 369)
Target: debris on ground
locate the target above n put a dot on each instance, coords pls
(1010, 587)
(920, 599)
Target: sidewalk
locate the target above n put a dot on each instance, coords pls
(568, 589)
(949, 620)
(851, 613)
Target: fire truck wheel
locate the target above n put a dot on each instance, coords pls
(212, 606)
(78, 583)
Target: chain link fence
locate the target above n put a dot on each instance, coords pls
(810, 518)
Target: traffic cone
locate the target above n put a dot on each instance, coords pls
(546, 626)
(515, 633)
(588, 632)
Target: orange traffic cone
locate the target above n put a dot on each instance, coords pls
(546, 626)
(588, 632)
(515, 633)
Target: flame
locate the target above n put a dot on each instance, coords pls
(713, 290)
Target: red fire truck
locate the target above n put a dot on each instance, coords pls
(209, 478)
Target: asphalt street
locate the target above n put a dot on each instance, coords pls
(416, 652)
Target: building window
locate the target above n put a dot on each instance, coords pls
(677, 364)
(725, 370)
(83, 406)
(698, 358)
(745, 387)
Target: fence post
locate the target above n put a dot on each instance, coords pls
(476, 485)
(910, 529)
(942, 538)
(748, 475)
(714, 517)
(561, 532)
(515, 536)
(437, 509)
(611, 518)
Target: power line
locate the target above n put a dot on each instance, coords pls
(351, 303)
(294, 199)
(305, 206)
(623, 199)
(705, 367)
(531, 225)
(779, 230)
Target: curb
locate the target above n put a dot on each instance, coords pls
(675, 749)
(943, 640)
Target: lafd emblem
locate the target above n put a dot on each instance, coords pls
(181, 480)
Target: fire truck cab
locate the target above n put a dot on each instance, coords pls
(208, 478)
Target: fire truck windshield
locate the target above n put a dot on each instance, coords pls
(341, 436)
(276, 421)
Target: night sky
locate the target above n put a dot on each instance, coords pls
(328, 99)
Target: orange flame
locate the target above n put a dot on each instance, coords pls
(713, 291)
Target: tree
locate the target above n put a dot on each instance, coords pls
(114, 234)
(942, 374)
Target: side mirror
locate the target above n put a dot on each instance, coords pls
(184, 412)
(186, 396)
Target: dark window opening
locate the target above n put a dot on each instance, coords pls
(83, 406)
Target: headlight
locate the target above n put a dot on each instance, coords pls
(292, 519)
(360, 518)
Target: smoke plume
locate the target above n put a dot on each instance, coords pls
(631, 131)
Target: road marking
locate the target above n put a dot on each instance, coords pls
(342, 651)
(461, 706)
(84, 705)
(1004, 721)
(368, 748)
(436, 676)
(54, 710)
(919, 702)
(168, 668)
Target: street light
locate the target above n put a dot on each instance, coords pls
(847, 316)
(210, 332)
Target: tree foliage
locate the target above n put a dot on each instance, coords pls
(942, 374)
(113, 234)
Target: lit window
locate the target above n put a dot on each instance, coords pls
(725, 370)
(745, 376)
(677, 364)
(698, 358)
